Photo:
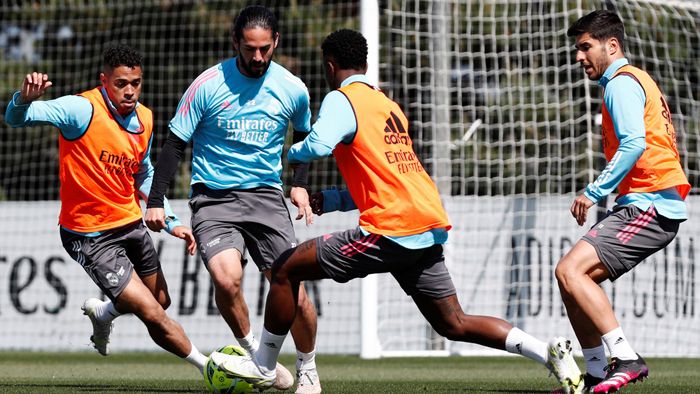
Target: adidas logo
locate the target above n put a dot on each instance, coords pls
(519, 347)
(594, 358)
(270, 345)
(619, 340)
(395, 131)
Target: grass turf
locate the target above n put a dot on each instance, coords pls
(163, 373)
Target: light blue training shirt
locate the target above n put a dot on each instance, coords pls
(72, 116)
(625, 99)
(336, 124)
(238, 124)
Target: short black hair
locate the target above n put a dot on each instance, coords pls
(254, 16)
(601, 25)
(347, 47)
(116, 55)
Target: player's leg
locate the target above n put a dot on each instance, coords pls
(290, 269)
(612, 247)
(423, 275)
(447, 318)
(158, 287)
(221, 246)
(141, 251)
(578, 273)
(226, 272)
(303, 331)
(101, 313)
(269, 232)
(136, 298)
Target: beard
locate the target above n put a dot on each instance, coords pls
(253, 69)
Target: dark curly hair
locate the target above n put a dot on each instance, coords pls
(601, 25)
(116, 55)
(254, 16)
(347, 47)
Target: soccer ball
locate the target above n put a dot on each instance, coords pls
(217, 381)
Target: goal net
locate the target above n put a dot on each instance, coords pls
(509, 128)
(501, 116)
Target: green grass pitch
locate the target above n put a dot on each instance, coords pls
(163, 373)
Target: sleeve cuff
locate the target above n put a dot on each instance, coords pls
(589, 195)
(15, 100)
(171, 223)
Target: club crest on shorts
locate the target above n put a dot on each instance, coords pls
(112, 278)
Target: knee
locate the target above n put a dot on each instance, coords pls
(230, 286)
(565, 273)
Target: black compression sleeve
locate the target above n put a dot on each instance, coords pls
(301, 171)
(169, 159)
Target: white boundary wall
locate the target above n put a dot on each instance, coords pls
(501, 254)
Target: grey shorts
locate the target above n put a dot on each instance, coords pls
(253, 219)
(110, 257)
(628, 235)
(350, 254)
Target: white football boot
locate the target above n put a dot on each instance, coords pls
(100, 330)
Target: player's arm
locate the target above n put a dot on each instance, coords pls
(189, 113)
(335, 124)
(157, 207)
(171, 223)
(299, 195)
(301, 170)
(70, 114)
(331, 200)
(625, 99)
(301, 120)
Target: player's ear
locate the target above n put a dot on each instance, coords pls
(277, 39)
(103, 79)
(613, 46)
(329, 66)
(234, 41)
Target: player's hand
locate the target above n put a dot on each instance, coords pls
(33, 86)
(579, 209)
(155, 219)
(184, 232)
(300, 198)
(316, 202)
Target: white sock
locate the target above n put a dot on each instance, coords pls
(619, 347)
(306, 361)
(196, 358)
(520, 342)
(106, 312)
(596, 361)
(269, 351)
(249, 343)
